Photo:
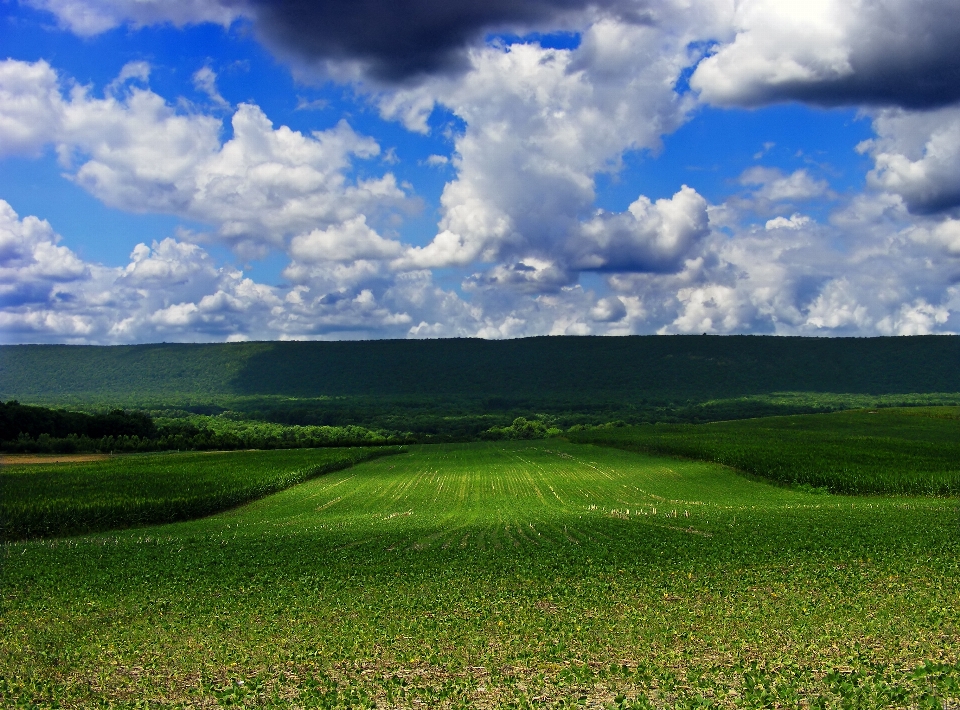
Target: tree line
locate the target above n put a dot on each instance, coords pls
(32, 429)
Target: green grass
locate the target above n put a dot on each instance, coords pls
(522, 574)
(59, 499)
(913, 451)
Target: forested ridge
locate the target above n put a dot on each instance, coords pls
(558, 368)
(246, 395)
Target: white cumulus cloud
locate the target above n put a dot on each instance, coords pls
(917, 156)
(135, 151)
(649, 236)
(348, 241)
(794, 221)
(540, 124)
(91, 17)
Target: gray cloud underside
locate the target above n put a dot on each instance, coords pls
(833, 52)
(899, 53)
(395, 41)
(839, 53)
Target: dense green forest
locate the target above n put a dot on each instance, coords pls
(560, 369)
(18, 421)
(464, 389)
(32, 429)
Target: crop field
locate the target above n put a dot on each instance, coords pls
(912, 450)
(534, 574)
(44, 499)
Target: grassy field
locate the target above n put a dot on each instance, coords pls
(524, 574)
(46, 499)
(912, 451)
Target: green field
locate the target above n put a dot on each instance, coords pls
(912, 451)
(38, 500)
(523, 574)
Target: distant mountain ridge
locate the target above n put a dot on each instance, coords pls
(563, 368)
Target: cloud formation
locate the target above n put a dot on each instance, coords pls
(520, 247)
(917, 157)
(50, 294)
(786, 281)
(385, 40)
(828, 52)
(393, 41)
(91, 17)
(836, 52)
(649, 236)
(172, 290)
(134, 151)
(540, 125)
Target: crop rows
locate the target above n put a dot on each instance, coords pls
(40, 500)
(889, 451)
(527, 574)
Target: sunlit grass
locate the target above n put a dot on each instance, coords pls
(537, 574)
(912, 451)
(44, 499)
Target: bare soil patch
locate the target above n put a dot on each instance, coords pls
(20, 459)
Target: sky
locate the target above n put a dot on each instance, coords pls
(229, 170)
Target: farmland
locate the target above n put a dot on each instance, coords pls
(39, 500)
(914, 451)
(524, 574)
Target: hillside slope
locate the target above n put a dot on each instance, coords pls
(570, 369)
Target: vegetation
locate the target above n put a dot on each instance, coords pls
(521, 571)
(455, 390)
(26, 429)
(522, 428)
(21, 421)
(915, 451)
(504, 574)
(39, 500)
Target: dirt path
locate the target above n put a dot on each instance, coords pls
(21, 459)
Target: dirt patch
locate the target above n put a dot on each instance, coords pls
(20, 459)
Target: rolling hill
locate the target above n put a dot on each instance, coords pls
(571, 369)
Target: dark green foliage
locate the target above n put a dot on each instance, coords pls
(463, 390)
(912, 451)
(144, 370)
(25, 429)
(606, 368)
(522, 428)
(18, 420)
(213, 434)
(501, 374)
(455, 390)
(40, 500)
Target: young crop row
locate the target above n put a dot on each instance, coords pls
(41, 500)
(519, 574)
(892, 451)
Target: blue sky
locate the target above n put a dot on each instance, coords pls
(210, 170)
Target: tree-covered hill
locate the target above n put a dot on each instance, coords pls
(545, 369)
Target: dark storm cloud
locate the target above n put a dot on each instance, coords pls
(908, 55)
(398, 40)
(920, 76)
(900, 53)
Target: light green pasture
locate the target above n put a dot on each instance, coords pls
(531, 574)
